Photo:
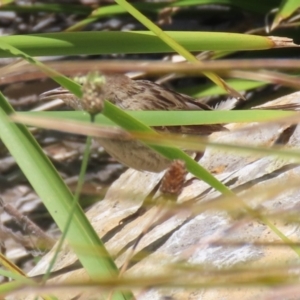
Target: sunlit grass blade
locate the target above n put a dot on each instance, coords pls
(73, 125)
(210, 89)
(286, 9)
(10, 265)
(271, 77)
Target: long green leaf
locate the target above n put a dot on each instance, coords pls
(75, 43)
(173, 118)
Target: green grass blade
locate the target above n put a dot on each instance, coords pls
(77, 43)
(172, 118)
(55, 195)
(286, 9)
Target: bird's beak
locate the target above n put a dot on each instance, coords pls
(58, 93)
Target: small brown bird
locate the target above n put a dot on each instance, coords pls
(131, 94)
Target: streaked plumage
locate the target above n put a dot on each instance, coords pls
(131, 94)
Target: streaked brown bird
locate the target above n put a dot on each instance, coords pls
(131, 94)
